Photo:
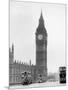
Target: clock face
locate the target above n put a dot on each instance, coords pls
(40, 37)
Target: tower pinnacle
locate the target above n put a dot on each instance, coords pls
(13, 48)
(41, 16)
(41, 20)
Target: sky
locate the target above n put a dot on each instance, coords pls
(24, 20)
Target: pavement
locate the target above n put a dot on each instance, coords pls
(35, 85)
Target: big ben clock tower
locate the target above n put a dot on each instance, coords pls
(41, 50)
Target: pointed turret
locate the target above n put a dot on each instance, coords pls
(13, 48)
(30, 62)
(11, 54)
(41, 16)
(13, 51)
(41, 20)
(41, 27)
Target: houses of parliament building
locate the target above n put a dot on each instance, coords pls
(16, 68)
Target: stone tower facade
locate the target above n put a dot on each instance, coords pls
(41, 49)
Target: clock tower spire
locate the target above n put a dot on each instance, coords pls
(41, 20)
(41, 49)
